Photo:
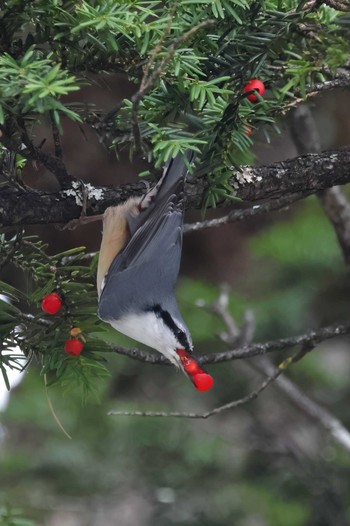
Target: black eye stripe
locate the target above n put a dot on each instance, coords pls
(169, 322)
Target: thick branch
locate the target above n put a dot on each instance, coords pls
(303, 175)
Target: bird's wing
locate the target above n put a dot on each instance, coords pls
(154, 233)
(151, 259)
(148, 274)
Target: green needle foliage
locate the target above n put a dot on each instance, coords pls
(192, 58)
(35, 84)
(189, 61)
(41, 337)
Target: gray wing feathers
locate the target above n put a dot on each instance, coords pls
(145, 283)
(157, 234)
(148, 267)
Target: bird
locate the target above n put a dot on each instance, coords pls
(138, 267)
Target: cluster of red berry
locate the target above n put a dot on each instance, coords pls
(51, 304)
(201, 380)
(253, 85)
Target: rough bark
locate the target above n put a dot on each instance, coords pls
(304, 175)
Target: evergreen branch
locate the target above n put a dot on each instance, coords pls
(151, 77)
(7, 255)
(341, 80)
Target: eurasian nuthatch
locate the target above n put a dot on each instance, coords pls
(139, 264)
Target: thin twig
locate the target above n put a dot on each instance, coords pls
(245, 351)
(232, 217)
(148, 82)
(33, 153)
(145, 79)
(56, 137)
(244, 213)
(293, 392)
(342, 80)
(306, 404)
(230, 405)
(337, 208)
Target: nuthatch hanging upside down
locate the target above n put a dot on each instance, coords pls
(138, 268)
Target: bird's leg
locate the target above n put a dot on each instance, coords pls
(151, 193)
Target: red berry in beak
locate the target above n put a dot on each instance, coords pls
(203, 381)
(182, 353)
(191, 367)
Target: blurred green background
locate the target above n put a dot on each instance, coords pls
(262, 464)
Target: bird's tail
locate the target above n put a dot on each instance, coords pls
(175, 170)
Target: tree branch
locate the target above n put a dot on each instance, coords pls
(274, 374)
(322, 416)
(27, 150)
(246, 351)
(231, 405)
(307, 405)
(243, 213)
(303, 175)
(337, 208)
(339, 5)
(334, 202)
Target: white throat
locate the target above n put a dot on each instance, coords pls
(150, 330)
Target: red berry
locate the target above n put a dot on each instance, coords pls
(248, 131)
(73, 347)
(189, 364)
(191, 367)
(203, 381)
(51, 303)
(254, 84)
(182, 353)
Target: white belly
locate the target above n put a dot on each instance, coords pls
(149, 330)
